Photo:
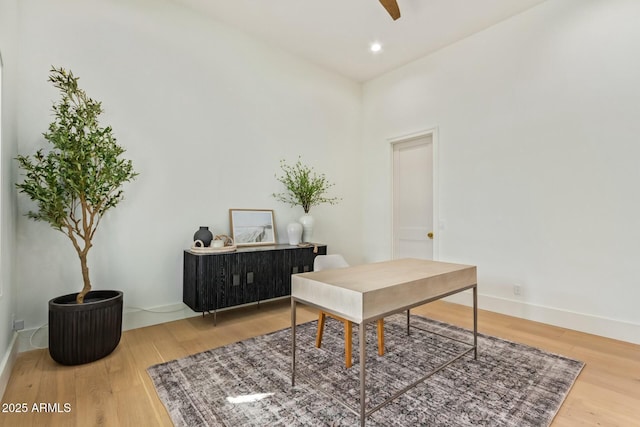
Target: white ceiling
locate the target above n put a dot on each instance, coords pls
(336, 34)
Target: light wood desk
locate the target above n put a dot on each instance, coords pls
(366, 293)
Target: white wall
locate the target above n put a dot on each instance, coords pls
(536, 132)
(538, 136)
(205, 113)
(8, 292)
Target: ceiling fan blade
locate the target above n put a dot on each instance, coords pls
(392, 8)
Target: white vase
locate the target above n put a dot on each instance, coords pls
(294, 230)
(307, 227)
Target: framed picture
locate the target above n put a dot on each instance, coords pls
(252, 227)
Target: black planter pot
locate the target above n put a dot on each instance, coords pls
(83, 333)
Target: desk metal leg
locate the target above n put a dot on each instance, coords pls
(408, 316)
(475, 322)
(293, 342)
(362, 332)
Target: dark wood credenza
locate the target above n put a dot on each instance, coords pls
(253, 274)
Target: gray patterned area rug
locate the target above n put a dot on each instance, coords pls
(248, 383)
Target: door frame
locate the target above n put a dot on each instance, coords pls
(437, 227)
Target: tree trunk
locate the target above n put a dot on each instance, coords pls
(85, 278)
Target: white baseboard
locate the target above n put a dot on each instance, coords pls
(132, 318)
(6, 365)
(138, 318)
(597, 325)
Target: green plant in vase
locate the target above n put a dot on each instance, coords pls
(306, 188)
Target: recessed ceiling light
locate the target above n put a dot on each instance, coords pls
(375, 47)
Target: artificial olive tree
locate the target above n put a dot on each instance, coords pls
(80, 176)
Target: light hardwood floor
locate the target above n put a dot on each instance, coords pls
(116, 391)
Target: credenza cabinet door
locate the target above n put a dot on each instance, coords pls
(268, 273)
(230, 285)
(199, 283)
(294, 262)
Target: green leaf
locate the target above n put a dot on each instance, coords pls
(80, 176)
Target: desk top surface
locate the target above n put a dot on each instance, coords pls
(368, 290)
(370, 277)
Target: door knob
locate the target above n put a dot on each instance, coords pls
(430, 235)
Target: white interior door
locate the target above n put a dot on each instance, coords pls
(413, 207)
